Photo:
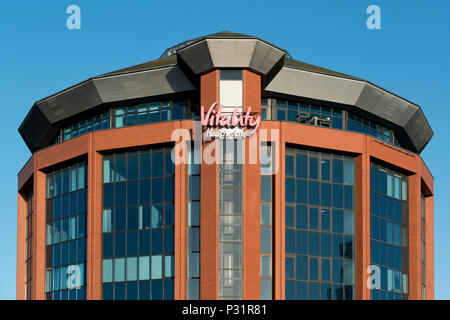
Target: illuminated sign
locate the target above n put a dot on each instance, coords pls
(226, 126)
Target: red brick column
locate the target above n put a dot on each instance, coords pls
(209, 204)
(39, 235)
(94, 223)
(180, 231)
(251, 197)
(415, 265)
(429, 242)
(21, 246)
(362, 225)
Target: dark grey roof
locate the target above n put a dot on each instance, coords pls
(309, 67)
(219, 35)
(159, 63)
(47, 115)
(406, 118)
(179, 69)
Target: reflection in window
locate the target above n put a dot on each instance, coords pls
(389, 232)
(66, 211)
(319, 219)
(138, 225)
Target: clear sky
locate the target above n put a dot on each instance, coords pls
(40, 56)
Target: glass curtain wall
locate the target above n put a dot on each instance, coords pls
(66, 212)
(389, 232)
(138, 225)
(329, 117)
(320, 197)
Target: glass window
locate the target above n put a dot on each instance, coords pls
(169, 266)
(266, 188)
(65, 232)
(290, 190)
(390, 185)
(397, 187)
(325, 168)
(313, 168)
(302, 217)
(301, 166)
(119, 269)
(313, 218)
(266, 214)
(389, 251)
(139, 237)
(119, 117)
(289, 216)
(404, 190)
(266, 289)
(313, 193)
(325, 219)
(348, 222)
(194, 213)
(322, 225)
(349, 171)
(325, 194)
(313, 269)
(302, 191)
(194, 265)
(266, 266)
(266, 240)
(156, 267)
(337, 171)
(289, 165)
(132, 269)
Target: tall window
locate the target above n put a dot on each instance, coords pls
(423, 246)
(319, 225)
(193, 247)
(66, 211)
(230, 221)
(266, 221)
(389, 232)
(265, 114)
(29, 245)
(138, 225)
(231, 90)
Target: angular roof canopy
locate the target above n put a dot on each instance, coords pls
(178, 71)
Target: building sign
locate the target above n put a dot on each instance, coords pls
(226, 126)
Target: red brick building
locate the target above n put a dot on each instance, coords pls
(104, 213)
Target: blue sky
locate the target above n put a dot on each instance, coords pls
(40, 56)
